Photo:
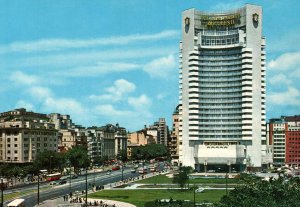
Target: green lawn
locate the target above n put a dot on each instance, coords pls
(162, 179)
(140, 197)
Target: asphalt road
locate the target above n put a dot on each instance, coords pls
(48, 192)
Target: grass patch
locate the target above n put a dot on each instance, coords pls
(14, 195)
(163, 179)
(18, 194)
(140, 197)
(158, 179)
(214, 180)
(158, 186)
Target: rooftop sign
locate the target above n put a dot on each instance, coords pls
(222, 20)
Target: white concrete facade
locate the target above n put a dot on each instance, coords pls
(222, 88)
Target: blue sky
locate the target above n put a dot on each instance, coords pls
(109, 61)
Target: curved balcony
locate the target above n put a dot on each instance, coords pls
(247, 65)
(247, 55)
(245, 50)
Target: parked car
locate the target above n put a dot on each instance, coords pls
(116, 167)
(133, 170)
(53, 183)
(61, 182)
(74, 176)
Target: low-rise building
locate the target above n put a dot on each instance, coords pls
(284, 135)
(173, 140)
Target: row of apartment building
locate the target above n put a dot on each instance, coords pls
(23, 134)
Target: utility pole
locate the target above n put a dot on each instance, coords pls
(226, 183)
(38, 192)
(70, 179)
(3, 187)
(194, 189)
(86, 184)
(123, 172)
(94, 176)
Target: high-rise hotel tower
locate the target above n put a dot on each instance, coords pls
(222, 89)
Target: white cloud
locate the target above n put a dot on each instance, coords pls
(161, 96)
(21, 78)
(110, 111)
(227, 6)
(162, 67)
(290, 97)
(98, 69)
(62, 44)
(121, 87)
(24, 104)
(87, 58)
(280, 79)
(287, 61)
(64, 105)
(117, 92)
(39, 92)
(141, 103)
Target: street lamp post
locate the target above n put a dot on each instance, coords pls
(38, 191)
(70, 179)
(123, 172)
(226, 183)
(50, 163)
(94, 176)
(194, 188)
(2, 187)
(86, 184)
(229, 171)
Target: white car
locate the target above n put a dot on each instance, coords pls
(199, 190)
(53, 183)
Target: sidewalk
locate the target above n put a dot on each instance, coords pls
(59, 202)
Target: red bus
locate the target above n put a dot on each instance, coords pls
(54, 176)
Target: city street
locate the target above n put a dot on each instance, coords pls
(79, 184)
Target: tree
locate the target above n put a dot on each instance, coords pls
(182, 177)
(122, 155)
(48, 160)
(78, 158)
(256, 192)
(149, 151)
